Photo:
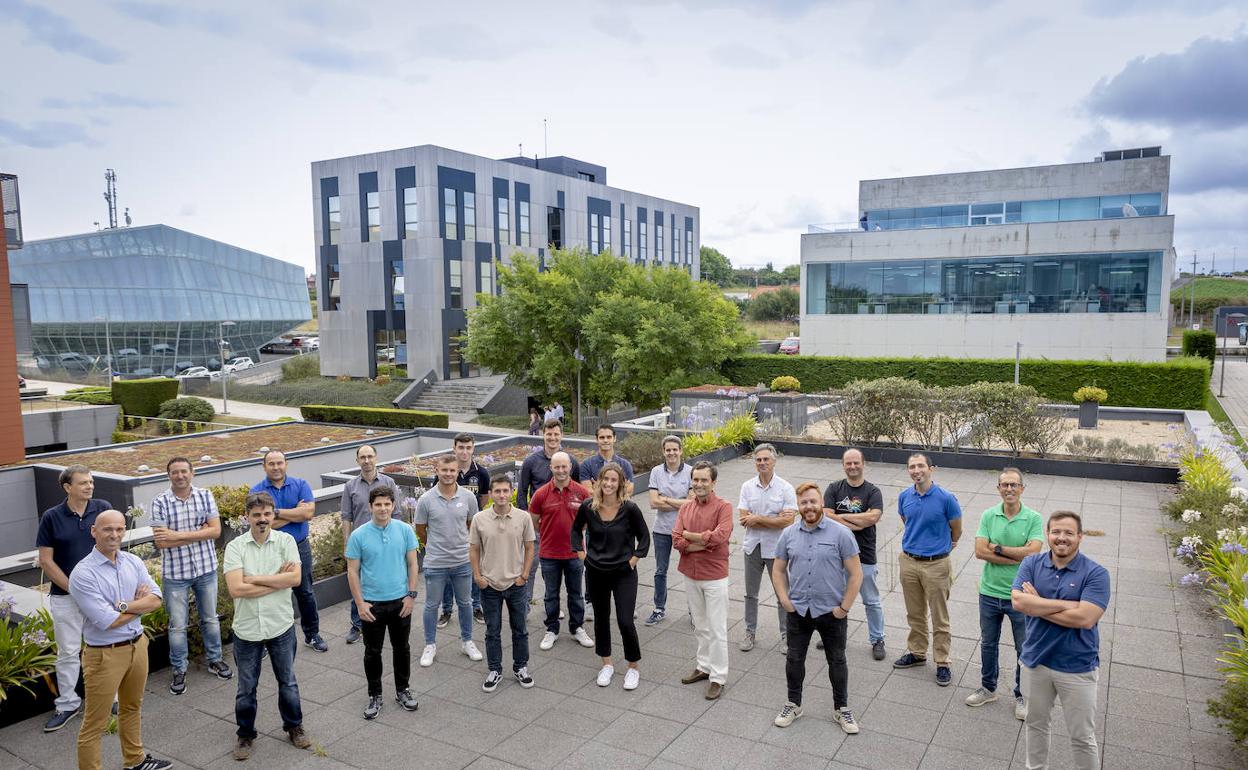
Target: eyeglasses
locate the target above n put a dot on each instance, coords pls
(1010, 485)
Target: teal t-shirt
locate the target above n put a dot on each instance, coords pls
(382, 553)
(1027, 525)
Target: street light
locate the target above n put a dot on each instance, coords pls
(225, 399)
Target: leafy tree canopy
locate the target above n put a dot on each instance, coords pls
(716, 268)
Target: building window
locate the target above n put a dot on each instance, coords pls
(606, 232)
(586, 176)
(398, 285)
(628, 238)
(1009, 212)
(335, 220)
(502, 222)
(455, 354)
(675, 245)
(470, 216)
(485, 277)
(525, 234)
(409, 212)
(642, 237)
(594, 223)
(688, 246)
(333, 291)
(373, 201)
(658, 242)
(455, 277)
(448, 214)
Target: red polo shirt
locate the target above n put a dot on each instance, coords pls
(556, 509)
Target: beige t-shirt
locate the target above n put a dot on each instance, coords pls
(501, 540)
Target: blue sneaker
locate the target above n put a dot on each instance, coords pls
(317, 643)
(655, 617)
(59, 719)
(909, 660)
(943, 676)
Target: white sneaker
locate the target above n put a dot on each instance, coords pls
(632, 678)
(548, 640)
(426, 657)
(471, 650)
(845, 718)
(604, 676)
(583, 638)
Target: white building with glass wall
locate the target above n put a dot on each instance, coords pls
(1074, 261)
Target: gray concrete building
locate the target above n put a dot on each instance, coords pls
(406, 239)
(1074, 261)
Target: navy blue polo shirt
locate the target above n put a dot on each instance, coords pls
(591, 467)
(1070, 650)
(292, 492)
(927, 518)
(68, 535)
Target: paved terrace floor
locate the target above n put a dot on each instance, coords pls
(1157, 671)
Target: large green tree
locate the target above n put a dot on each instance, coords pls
(716, 268)
(641, 332)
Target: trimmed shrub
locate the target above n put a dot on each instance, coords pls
(301, 368)
(1200, 342)
(1090, 393)
(94, 396)
(373, 417)
(190, 408)
(142, 398)
(1180, 383)
(786, 384)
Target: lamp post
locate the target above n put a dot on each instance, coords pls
(108, 348)
(225, 399)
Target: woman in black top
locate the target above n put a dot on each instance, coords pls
(610, 536)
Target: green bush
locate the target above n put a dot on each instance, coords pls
(397, 372)
(94, 396)
(1200, 342)
(786, 384)
(143, 398)
(301, 368)
(643, 449)
(1090, 393)
(777, 305)
(189, 408)
(1230, 707)
(373, 417)
(1180, 383)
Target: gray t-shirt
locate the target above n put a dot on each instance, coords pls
(669, 485)
(447, 539)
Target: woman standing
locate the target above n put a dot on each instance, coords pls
(610, 535)
(535, 421)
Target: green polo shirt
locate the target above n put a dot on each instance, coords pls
(997, 528)
(268, 616)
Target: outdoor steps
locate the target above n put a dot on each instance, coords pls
(454, 397)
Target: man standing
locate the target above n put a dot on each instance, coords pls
(817, 575)
(64, 539)
(1007, 534)
(442, 517)
(357, 511)
(261, 567)
(669, 490)
(553, 509)
(500, 548)
(700, 533)
(767, 505)
(295, 508)
(858, 504)
(933, 523)
(476, 479)
(534, 473)
(1063, 594)
(113, 591)
(382, 571)
(186, 525)
(605, 436)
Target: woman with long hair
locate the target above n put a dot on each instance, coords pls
(610, 536)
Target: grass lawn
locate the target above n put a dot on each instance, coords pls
(1213, 287)
(771, 330)
(1220, 416)
(512, 421)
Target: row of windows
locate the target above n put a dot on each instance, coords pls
(455, 281)
(1007, 212)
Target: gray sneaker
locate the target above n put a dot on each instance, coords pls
(981, 696)
(747, 643)
(373, 708)
(407, 700)
(1020, 708)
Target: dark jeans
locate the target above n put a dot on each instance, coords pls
(832, 631)
(662, 545)
(247, 660)
(387, 618)
(448, 597)
(492, 602)
(991, 612)
(622, 583)
(528, 586)
(571, 573)
(305, 600)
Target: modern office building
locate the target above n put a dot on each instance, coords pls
(157, 298)
(1074, 261)
(406, 239)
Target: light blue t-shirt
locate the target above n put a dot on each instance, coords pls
(447, 520)
(382, 553)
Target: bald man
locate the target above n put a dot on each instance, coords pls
(553, 508)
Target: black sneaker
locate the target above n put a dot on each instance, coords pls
(522, 676)
(909, 660)
(407, 700)
(492, 681)
(317, 643)
(177, 685)
(353, 635)
(943, 676)
(444, 620)
(655, 617)
(877, 650)
(373, 708)
(151, 763)
(479, 615)
(221, 669)
(59, 719)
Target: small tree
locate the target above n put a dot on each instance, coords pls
(778, 305)
(716, 268)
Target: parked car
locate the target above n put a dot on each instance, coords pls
(162, 349)
(126, 352)
(791, 346)
(239, 363)
(196, 372)
(75, 361)
(182, 366)
(278, 346)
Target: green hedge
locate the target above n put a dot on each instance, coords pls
(96, 396)
(1200, 342)
(373, 417)
(1180, 383)
(142, 398)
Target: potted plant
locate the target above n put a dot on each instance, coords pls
(1089, 398)
(27, 663)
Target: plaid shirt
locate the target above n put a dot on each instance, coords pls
(186, 562)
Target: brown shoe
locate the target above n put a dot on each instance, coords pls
(299, 738)
(242, 749)
(714, 690)
(697, 676)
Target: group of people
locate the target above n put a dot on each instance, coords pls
(479, 542)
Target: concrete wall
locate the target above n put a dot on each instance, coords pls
(76, 428)
(19, 516)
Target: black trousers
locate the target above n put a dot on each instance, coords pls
(832, 631)
(622, 583)
(387, 618)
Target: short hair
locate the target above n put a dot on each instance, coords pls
(672, 439)
(265, 459)
(926, 460)
(706, 465)
(259, 500)
(805, 487)
(463, 438)
(1015, 471)
(604, 426)
(446, 459)
(765, 448)
(382, 491)
(67, 474)
(173, 460)
(854, 449)
(362, 447)
(552, 423)
(504, 479)
(1058, 515)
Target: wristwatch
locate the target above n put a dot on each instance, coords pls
(412, 594)
(122, 606)
(997, 550)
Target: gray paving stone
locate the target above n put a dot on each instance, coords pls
(594, 756)
(942, 758)
(735, 718)
(678, 704)
(1115, 757)
(1159, 738)
(761, 756)
(960, 730)
(705, 749)
(868, 749)
(640, 733)
(535, 747)
(898, 719)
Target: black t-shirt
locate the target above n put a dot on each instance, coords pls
(475, 478)
(843, 498)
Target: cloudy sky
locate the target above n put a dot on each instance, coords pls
(765, 113)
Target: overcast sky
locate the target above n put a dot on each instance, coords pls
(764, 113)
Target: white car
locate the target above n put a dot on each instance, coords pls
(196, 372)
(238, 364)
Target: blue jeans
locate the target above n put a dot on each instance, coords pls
(870, 594)
(571, 572)
(991, 612)
(177, 604)
(436, 581)
(528, 586)
(662, 545)
(492, 603)
(247, 660)
(448, 597)
(305, 600)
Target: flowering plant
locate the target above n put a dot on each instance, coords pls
(25, 649)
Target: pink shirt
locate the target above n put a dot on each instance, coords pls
(713, 521)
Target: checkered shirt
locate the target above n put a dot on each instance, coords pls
(186, 562)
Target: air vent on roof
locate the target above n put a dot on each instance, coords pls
(1138, 152)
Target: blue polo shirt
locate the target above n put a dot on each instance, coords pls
(293, 491)
(1070, 650)
(816, 564)
(382, 553)
(927, 518)
(68, 535)
(591, 467)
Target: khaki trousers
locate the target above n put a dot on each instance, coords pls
(109, 671)
(925, 586)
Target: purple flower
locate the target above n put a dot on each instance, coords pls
(1184, 550)
(1233, 548)
(1190, 579)
(1246, 604)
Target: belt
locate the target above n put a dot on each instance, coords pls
(126, 643)
(916, 557)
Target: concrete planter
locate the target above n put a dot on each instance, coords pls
(1088, 414)
(330, 591)
(782, 413)
(19, 704)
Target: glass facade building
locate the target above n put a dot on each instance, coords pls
(155, 295)
(1011, 212)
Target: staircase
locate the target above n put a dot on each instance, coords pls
(458, 398)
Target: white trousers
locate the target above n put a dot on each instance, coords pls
(708, 604)
(1077, 693)
(67, 626)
